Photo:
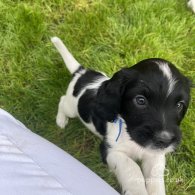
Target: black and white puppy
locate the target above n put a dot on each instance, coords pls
(136, 113)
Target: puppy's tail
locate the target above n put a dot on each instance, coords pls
(70, 61)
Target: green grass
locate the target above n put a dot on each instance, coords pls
(105, 35)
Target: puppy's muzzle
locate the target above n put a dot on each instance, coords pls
(164, 139)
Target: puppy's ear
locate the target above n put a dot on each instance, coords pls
(108, 101)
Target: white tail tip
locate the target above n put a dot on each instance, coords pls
(55, 39)
(70, 61)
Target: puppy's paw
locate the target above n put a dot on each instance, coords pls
(191, 4)
(129, 192)
(61, 121)
(126, 192)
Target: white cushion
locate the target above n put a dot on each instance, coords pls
(31, 165)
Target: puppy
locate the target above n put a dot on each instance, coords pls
(136, 113)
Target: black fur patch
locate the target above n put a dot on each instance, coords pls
(86, 107)
(89, 77)
(85, 104)
(109, 96)
(100, 125)
(104, 151)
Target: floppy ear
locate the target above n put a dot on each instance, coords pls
(108, 101)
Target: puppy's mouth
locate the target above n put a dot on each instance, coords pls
(162, 146)
(154, 148)
(161, 141)
(165, 145)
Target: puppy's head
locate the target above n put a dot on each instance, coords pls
(152, 97)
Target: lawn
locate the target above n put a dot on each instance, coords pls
(105, 35)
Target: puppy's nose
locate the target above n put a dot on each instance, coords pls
(164, 138)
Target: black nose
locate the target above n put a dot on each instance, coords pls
(164, 139)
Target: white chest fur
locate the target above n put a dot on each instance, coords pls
(125, 144)
(121, 157)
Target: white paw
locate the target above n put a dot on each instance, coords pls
(191, 4)
(61, 121)
(126, 193)
(137, 192)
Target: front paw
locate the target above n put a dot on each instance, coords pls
(139, 192)
(156, 191)
(126, 192)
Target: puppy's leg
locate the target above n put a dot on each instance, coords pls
(128, 173)
(153, 170)
(65, 111)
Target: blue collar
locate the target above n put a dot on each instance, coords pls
(120, 121)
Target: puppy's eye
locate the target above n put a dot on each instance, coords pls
(140, 101)
(180, 105)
